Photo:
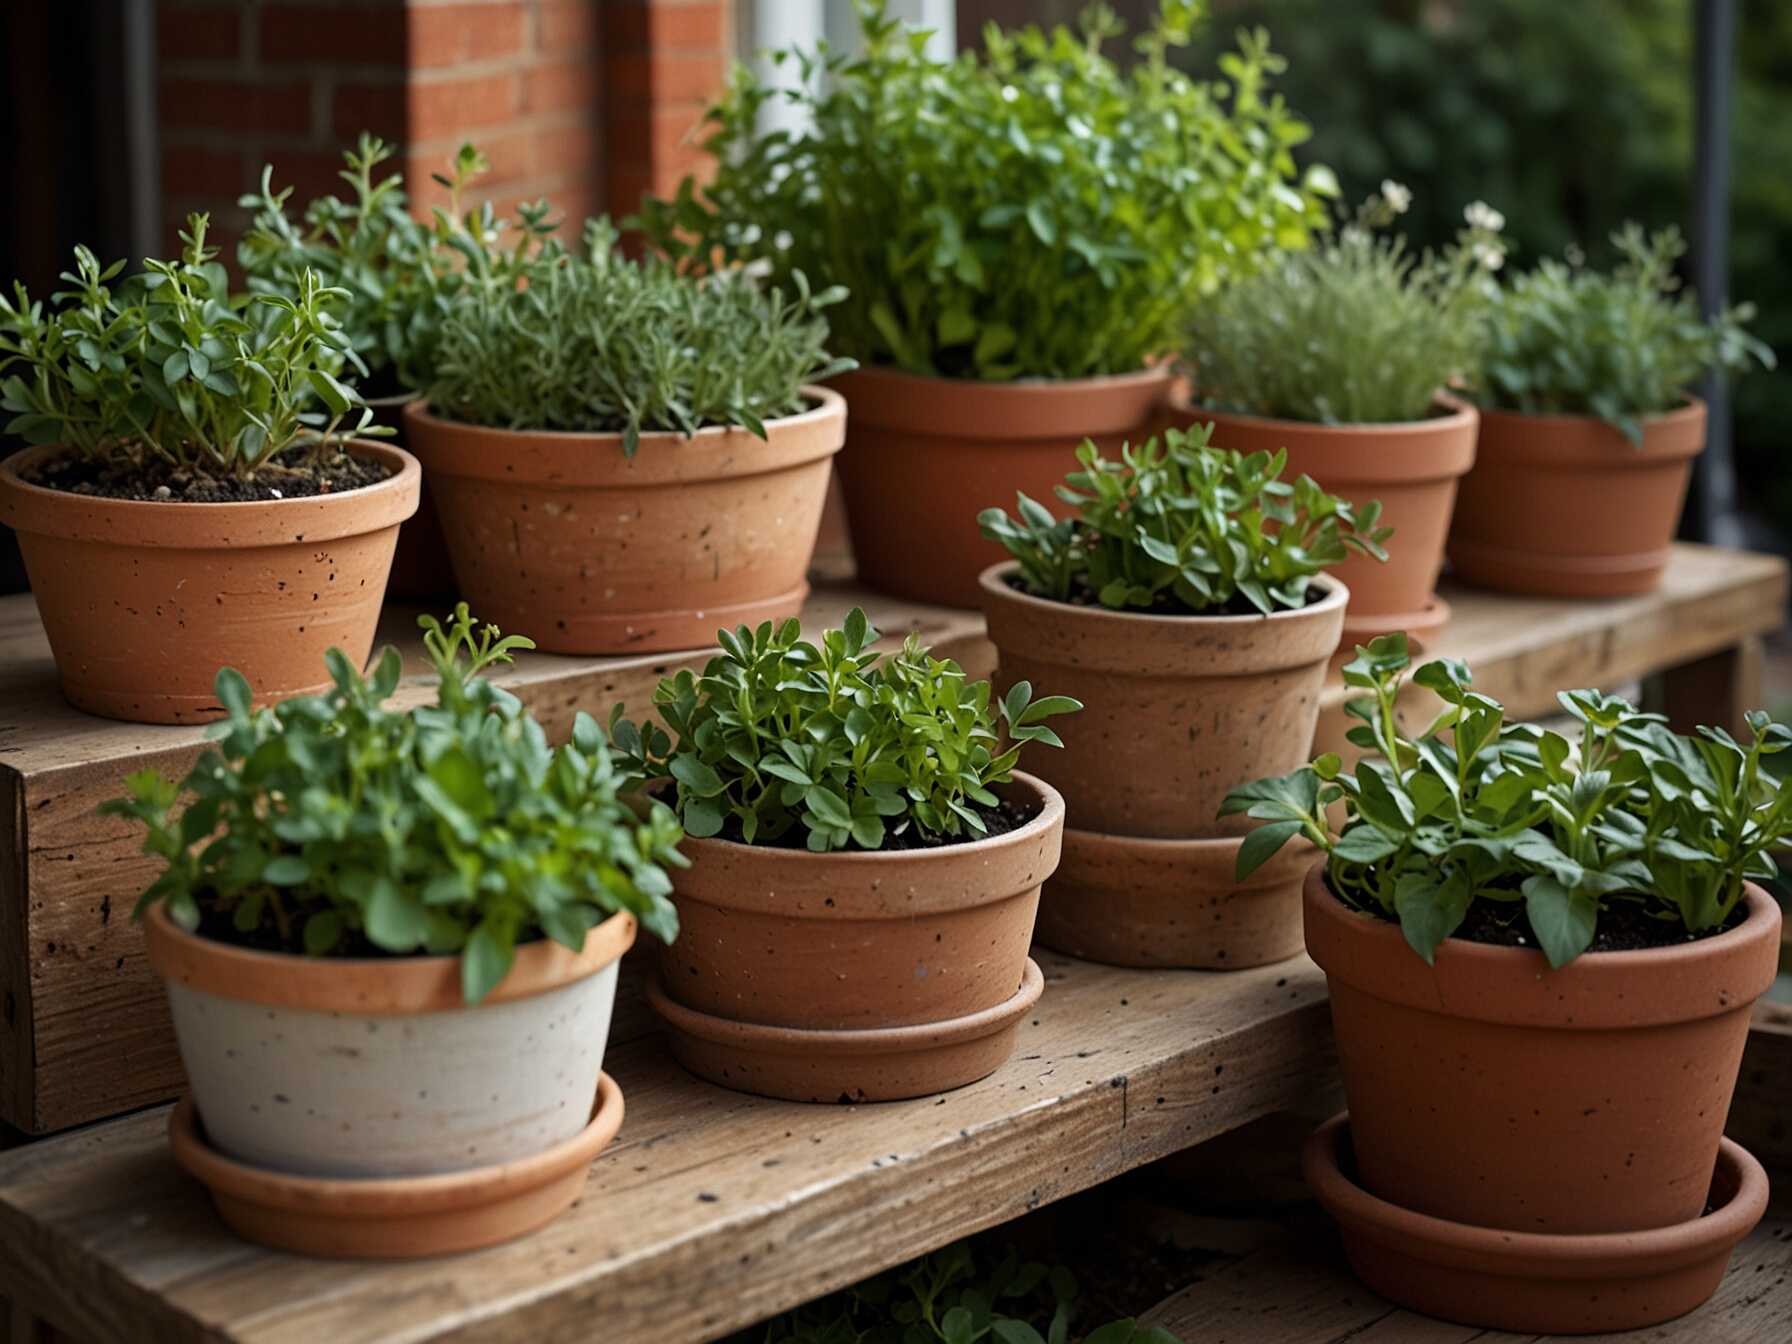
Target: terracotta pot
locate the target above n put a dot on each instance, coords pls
(927, 455)
(841, 946)
(1412, 468)
(396, 1219)
(288, 1056)
(1494, 1091)
(421, 570)
(1564, 506)
(144, 602)
(1177, 710)
(1534, 1282)
(562, 538)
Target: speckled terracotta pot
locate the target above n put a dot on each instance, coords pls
(421, 570)
(1412, 468)
(345, 1068)
(832, 958)
(926, 455)
(1493, 1091)
(144, 602)
(1566, 506)
(562, 538)
(1538, 1282)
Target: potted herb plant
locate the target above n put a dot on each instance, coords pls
(865, 864)
(1018, 230)
(1541, 953)
(1588, 431)
(200, 490)
(1186, 605)
(391, 940)
(1342, 354)
(397, 273)
(621, 455)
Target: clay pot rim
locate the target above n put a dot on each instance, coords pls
(826, 403)
(1049, 816)
(1191, 850)
(1460, 412)
(1467, 975)
(994, 581)
(1144, 377)
(1501, 1252)
(1691, 408)
(350, 1199)
(1419, 626)
(856, 1042)
(188, 525)
(368, 986)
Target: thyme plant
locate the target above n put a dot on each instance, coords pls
(1179, 525)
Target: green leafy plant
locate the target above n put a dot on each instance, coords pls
(947, 1298)
(333, 825)
(1475, 809)
(1566, 340)
(1039, 209)
(849, 744)
(1182, 526)
(593, 342)
(169, 367)
(1357, 330)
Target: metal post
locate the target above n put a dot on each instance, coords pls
(1714, 516)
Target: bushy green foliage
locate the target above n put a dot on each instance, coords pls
(1476, 809)
(1179, 523)
(948, 1298)
(591, 341)
(1356, 330)
(1564, 339)
(1040, 209)
(331, 822)
(847, 743)
(169, 366)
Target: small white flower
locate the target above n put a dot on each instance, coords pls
(1490, 256)
(1399, 198)
(1481, 215)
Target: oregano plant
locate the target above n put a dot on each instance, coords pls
(1177, 525)
(1523, 821)
(334, 825)
(832, 741)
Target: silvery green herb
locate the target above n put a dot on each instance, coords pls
(1181, 525)
(849, 744)
(1475, 809)
(331, 822)
(1042, 208)
(1567, 340)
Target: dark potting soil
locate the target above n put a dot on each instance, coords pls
(1000, 820)
(218, 923)
(293, 474)
(1166, 604)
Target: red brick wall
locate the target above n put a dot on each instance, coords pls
(588, 102)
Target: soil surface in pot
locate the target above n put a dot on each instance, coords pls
(1000, 820)
(218, 923)
(292, 474)
(1167, 604)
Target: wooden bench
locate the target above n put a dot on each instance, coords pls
(711, 1210)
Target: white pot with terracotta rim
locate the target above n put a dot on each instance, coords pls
(376, 1067)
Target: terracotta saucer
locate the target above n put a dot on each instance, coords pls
(1529, 1281)
(401, 1218)
(864, 1064)
(1422, 627)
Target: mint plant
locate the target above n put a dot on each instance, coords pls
(1179, 526)
(1042, 208)
(1475, 809)
(333, 825)
(168, 367)
(1567, 340)
(592, 342)
(1355, 330)
(852, 746)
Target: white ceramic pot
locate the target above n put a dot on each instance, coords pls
(376, 1067)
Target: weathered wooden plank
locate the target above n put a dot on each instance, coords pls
(83, 1028)
(1761, 1114)
(712, 1209)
